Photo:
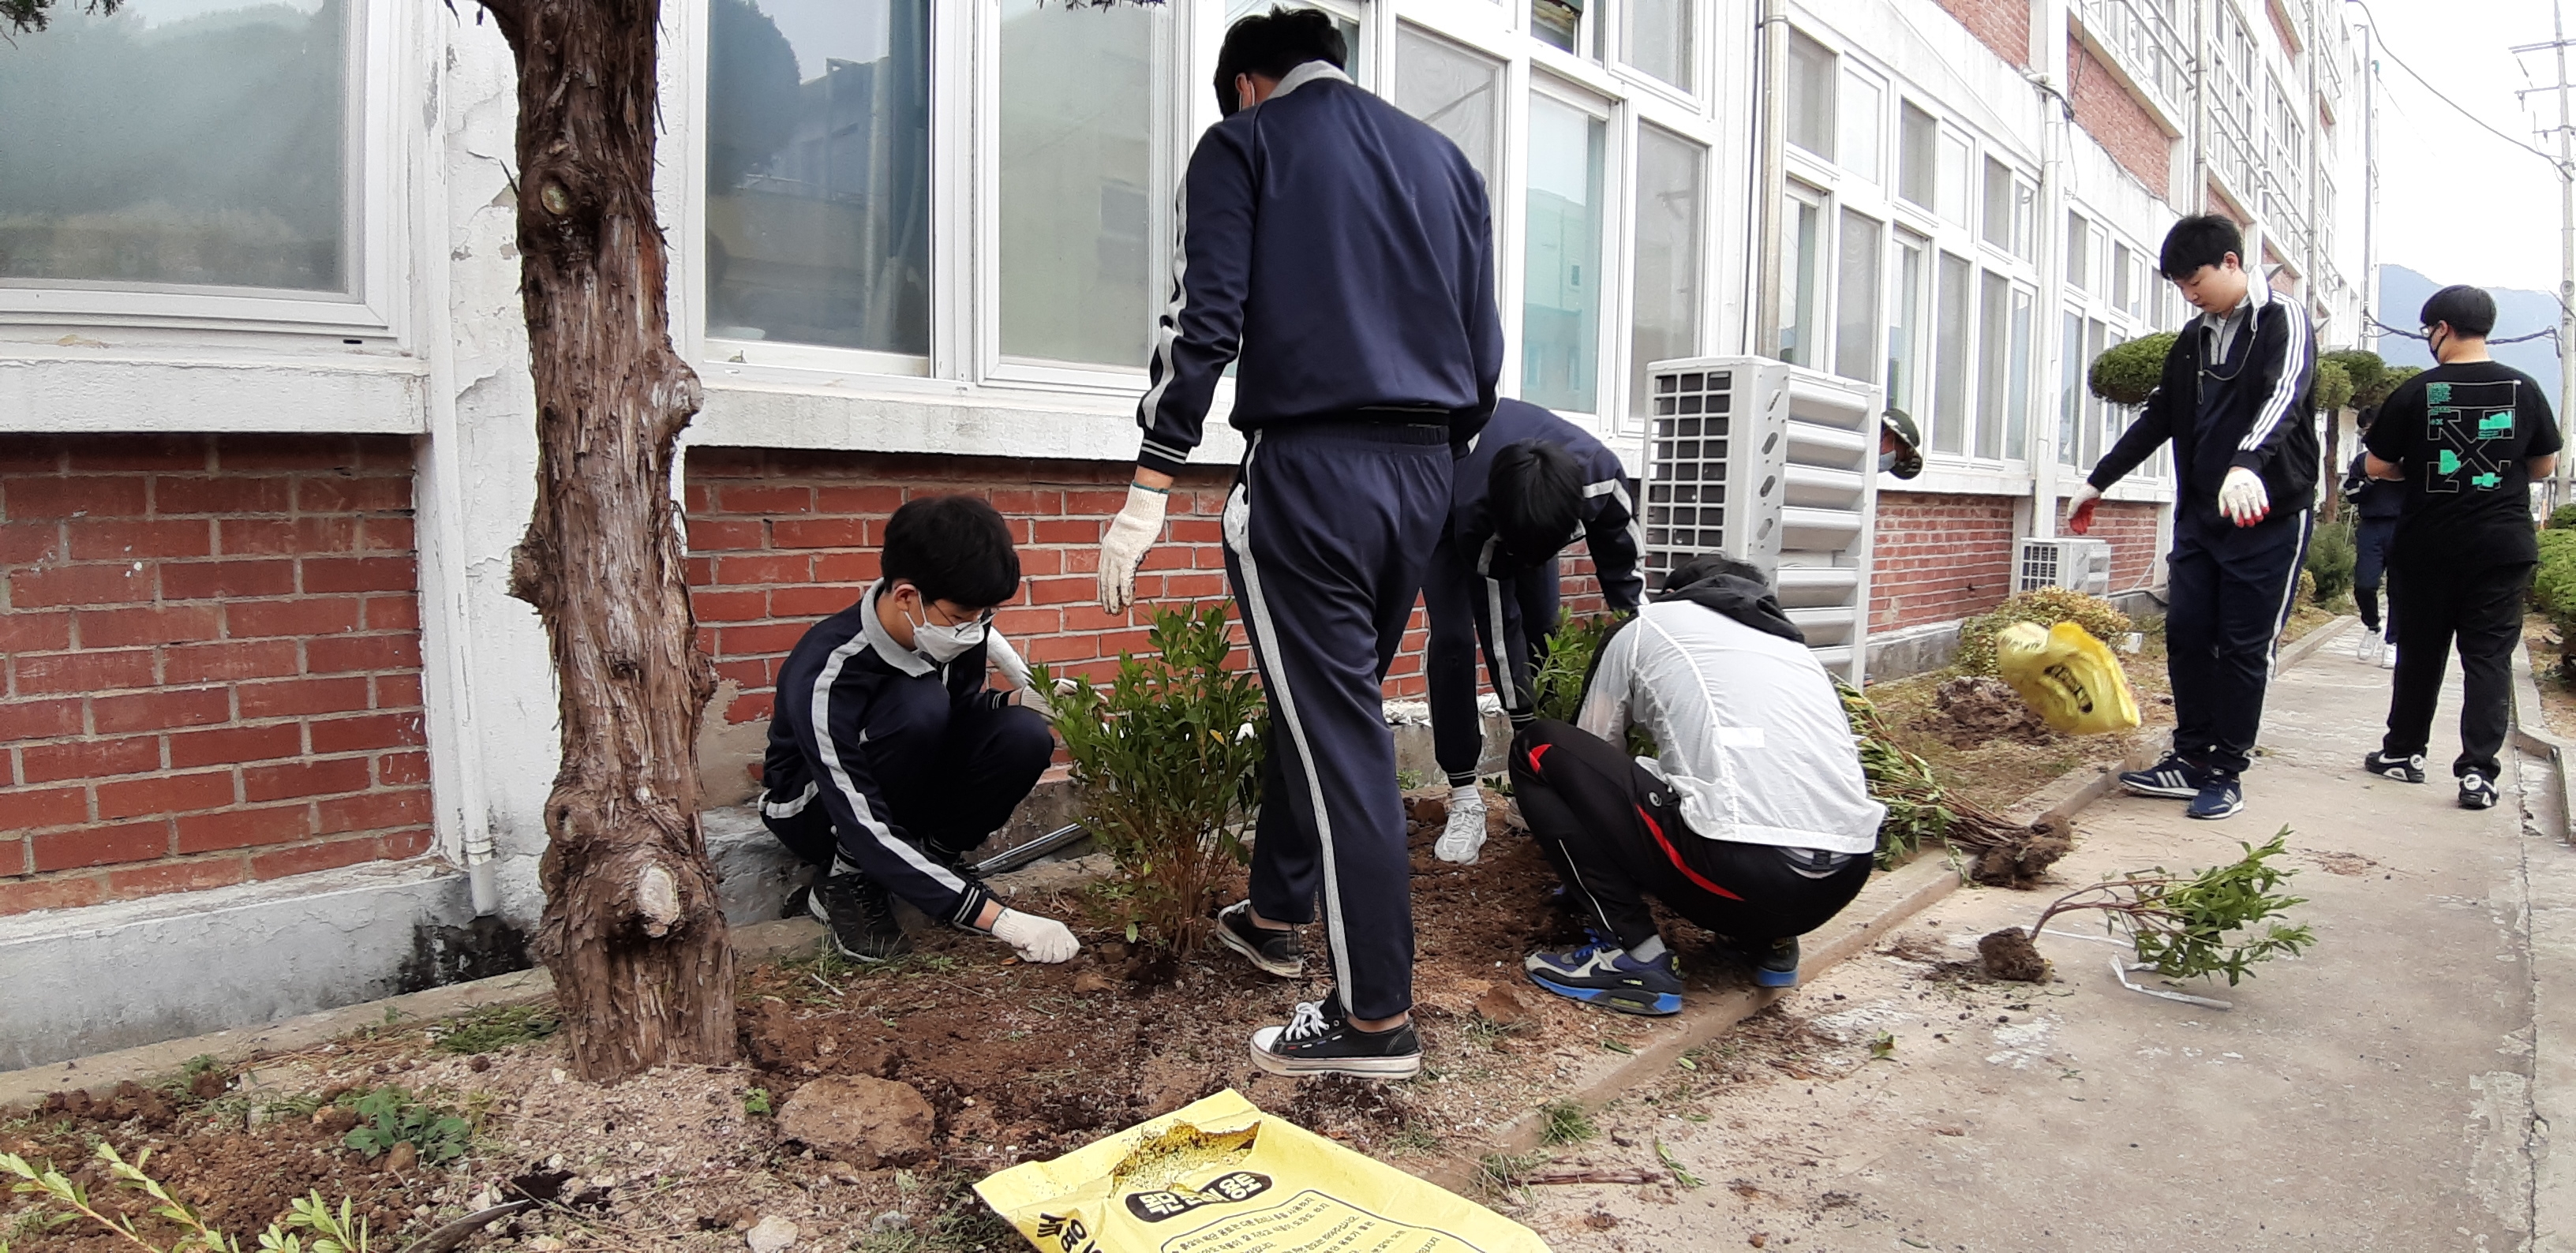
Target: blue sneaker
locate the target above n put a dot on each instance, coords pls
(1601, 973)
(2220, 796)
(2173, 777)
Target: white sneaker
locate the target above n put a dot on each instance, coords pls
(1464, 837)
(2366, 649)
(2388, 657)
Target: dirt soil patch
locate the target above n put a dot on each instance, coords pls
(1997, 772)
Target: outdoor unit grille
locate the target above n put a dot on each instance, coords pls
(2083, 565)
(1775, 465)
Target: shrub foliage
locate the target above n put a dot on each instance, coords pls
(2125, 374)
(2045, 606)
(2331, 552)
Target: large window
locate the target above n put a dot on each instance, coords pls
(1457, 91)
(1956, 181)
(818, 173)
(1802, 263)
(1905, 329)
(1918, 142)
(1076, 182)
(1856, 298)
(1561, 279)
(1656, 36)
(1860, 126)
(1950, 363)
(182, 144)
(1810, 96)
(1994, 318)
(1669, 200)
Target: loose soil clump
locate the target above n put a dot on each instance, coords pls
(1971, 711)
(2009, 954)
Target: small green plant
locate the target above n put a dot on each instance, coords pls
(1502, 1173)
(756, 1102)
(390, 1115)
(498, 1027)
(1567, 663)
(2126, 374)
(1566, 1123)
(332, 1232)
(2046, 606)
(1166, 762)
(2331, 553)
(1408, 780)
(1683, 1178)
(1882, 1047)
(2201, 924)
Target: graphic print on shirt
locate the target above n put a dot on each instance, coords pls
(2463, 420)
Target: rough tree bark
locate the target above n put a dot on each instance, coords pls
(631, 928)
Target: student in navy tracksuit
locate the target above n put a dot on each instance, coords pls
(1342, 252)
(2376, 506)
(890, 757)
(2235, 403)
(1532, 481)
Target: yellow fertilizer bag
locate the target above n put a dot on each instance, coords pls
(2071, 678)
(1220, 1176)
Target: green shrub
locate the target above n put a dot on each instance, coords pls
(2126, 373)
(2046, 606)
(2553, 589)
(2377, 393)
(1567, 662)
(2331, 552)
(2360, 365)
(2332, 389)
(1166, 764)
(2562, 517)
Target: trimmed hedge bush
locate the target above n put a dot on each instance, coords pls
(2362, 366)
(2047, 606)
(2332, 389)
(2553, 588)
(2562, 518)
(2126, 374)
(2377, 394)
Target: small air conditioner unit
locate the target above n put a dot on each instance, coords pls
(2082, 565)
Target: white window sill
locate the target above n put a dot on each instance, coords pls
(84, 387)
(750, 408)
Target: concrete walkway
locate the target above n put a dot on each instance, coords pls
(2377, 1093)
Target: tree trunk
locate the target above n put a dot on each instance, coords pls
(631, 929)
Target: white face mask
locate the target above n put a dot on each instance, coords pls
(944, 644)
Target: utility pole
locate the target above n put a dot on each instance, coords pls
(2369, 189)
(2557, 46)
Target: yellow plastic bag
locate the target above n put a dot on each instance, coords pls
(1220, 1176)
(2067, 675)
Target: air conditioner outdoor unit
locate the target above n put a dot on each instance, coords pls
(1776, 465)
(2082, 565)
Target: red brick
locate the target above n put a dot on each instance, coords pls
(312, 615)
(711, 606)
(26, 543)
(1070, 531)
(342, 654)
(161, 709)
(209, 580)
(175, 876)
(765, 499)
(698, 571)
(102, 846)
(358, 574)
(1040, 561)
(393, 613)
(371, 494)
(29, 499)
(708, 535)
(746, 641)
(751, 707)
(34, 632)
(304, 778)
(268, 453)
(27, 810)
(39, 719)
(30, 895)
(82, 672)
(139, 452)
(753, 673)
(1061, 648)
(88, 759)
(117, 539)
(869, 501)
(220, 493)
(401, 768)
(323, 855)
(818, 533)
(229, 660)
(399, 845)
(765, 568)
(242, 828)
(230, 745)
(295, 697)
(31, 454)
(128, 628)
(174, 794)
(117, 584)
(397, 691)
(263, 537)
(1094, 504)
(376, 810)
(807, 603)
(349, 735)
(386, 535)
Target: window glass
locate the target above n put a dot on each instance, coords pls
(1658, 38)
(1076, 174)
(1950, 364)
(1665, 324)
(1561, 311)
(1994, 344)
(818, 172)
(1905, 330)
(2070, 392)
(2097, 338)
(1802, 261)
(2017, 408)
(2025, 219)
(1956, 180)
(179, 143)
(2123, 285)
(2078, 257)
(1557, 23)
(1999, 203)
(1918, 138)
(1454, 90)
(1860, 122)
(1811, 96)
(1856, 298)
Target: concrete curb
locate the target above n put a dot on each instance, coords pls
(2299, 649)
(2531, 734)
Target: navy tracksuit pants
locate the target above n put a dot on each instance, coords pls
(951, 782)
(2233, 588)
(1513, 625)
(1326, 535)
(2371, 540)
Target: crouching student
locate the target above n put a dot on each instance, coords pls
(890, 757)
(1754, 821)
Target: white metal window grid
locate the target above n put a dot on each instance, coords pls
(379, 150)
(1601, 42)
(2092, 299)
(965, 357)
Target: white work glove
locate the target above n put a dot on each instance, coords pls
(1036, 939)
(2079, 509)
(1015, 672)
(1464, 837)
(1123, 545)
(2242, 498)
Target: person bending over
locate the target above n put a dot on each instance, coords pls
(1754, 819)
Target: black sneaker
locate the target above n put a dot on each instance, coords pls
(1319, 1040)
(859, 912)
(2173, 777)
(1774, 963)
(1275, 952)
(2477, 791)
(2402, 769)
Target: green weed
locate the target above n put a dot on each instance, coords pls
(1566, 1123)
(498, 1027)
(390, 1115)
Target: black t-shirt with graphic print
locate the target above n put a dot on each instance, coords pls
(2462, 433)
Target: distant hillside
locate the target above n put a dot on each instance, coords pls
(2402, 293)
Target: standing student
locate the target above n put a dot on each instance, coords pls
(1343, 253)
(2235, 404)
(2466, 439)
(1533, 481)
(2375, 505)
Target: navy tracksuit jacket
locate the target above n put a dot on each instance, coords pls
(895, 763)
(2232, 587)
(1343, 253)
(1474, 589)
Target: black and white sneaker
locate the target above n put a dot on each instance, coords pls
(2173, 777)
(2477, 791)
(1319, 1040)
(1275, 952)
(2402, 769)
(859, 912)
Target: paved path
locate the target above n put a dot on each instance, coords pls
(2375, 1094)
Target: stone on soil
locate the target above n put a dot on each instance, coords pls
(1502, 1005)
(772, 1234)
(864, 1121)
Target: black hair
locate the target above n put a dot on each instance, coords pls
(2469, 310)
(1707, 565)
(1272, 44)
(1535, 496)
(2204, 239)
(954, 548)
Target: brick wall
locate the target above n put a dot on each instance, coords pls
(2116, 120)
(212, 663)
(2131, 528)
(2003, 25)
(1939, 557)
